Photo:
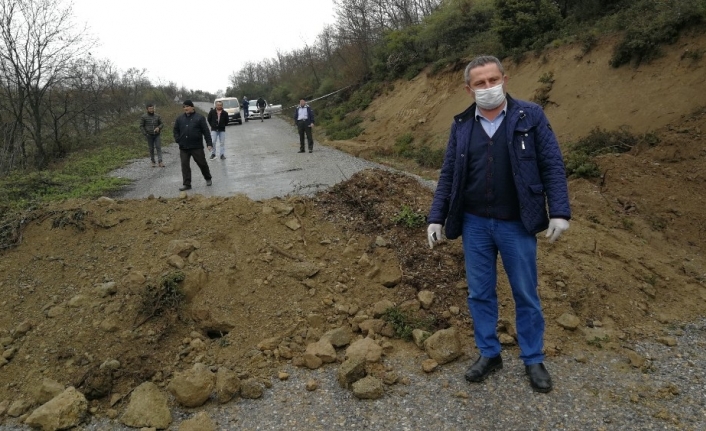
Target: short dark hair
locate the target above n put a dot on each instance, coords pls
(479, 61)
(149, 105)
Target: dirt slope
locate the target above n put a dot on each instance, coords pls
(77, 288)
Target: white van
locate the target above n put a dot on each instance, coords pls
(232, 107)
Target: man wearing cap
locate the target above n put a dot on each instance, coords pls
(190, 129)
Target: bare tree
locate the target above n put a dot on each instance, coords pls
(38, 45)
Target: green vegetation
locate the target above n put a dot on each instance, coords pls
(409, 218)
(404, 322)
(580, 160)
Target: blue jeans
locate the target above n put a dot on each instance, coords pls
(218, 136)
(483, 238)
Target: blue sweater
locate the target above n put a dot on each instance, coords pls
(537, 169)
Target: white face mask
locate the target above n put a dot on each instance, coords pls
(490, 98)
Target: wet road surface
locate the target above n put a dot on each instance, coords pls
(262, 161)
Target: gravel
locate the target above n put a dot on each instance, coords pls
(604, 393)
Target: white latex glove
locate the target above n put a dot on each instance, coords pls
(434, 234)
(556, 227)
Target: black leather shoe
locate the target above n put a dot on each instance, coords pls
(300, 151)
(539, 378)
(482, 368)
(209, 182)
(182, 188)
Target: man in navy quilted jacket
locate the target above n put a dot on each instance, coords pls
(502, 182)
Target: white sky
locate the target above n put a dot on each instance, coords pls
(174, 39)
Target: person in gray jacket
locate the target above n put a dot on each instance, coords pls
(151, 126)
(190, 129)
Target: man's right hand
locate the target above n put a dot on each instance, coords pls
(434, 234)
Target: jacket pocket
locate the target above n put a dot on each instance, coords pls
(537, 189)
(523, 141)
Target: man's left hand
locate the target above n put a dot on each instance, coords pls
(210, 148)
(556, 227)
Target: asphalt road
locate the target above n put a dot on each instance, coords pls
(262, 161)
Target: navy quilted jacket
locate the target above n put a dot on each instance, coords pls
(537, 168)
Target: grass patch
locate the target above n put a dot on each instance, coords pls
(404, 322)
(409, 218)
(580, 159)
(165, 296)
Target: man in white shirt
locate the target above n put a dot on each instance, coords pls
(304, 118)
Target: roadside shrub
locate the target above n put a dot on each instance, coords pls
(580, 157)
(526, 23)
(429, 158)
(403, 145)
(650, 24)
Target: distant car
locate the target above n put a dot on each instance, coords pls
(254, 111)
(232, 107)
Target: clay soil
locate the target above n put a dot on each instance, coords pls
(296, 267)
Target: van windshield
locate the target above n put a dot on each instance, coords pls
(230, 103)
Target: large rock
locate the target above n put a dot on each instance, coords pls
(64, 411)
(351, 371)
(365, 348)
(227, 385)
(568, 321)
(443, 346)
(323, 350)
(147, 408)
(369, 388)
(251, 389)
(380, 307)
(426, 298)
(192, 388)
(183, 247)
(200, 422)
(339, 337)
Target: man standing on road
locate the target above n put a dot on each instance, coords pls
(246, 107)
(502, 171)
(218, 120)
(304, 118)
(151, 126)
(261, 104)
(190, 129)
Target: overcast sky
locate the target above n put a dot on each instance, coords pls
(175, 40)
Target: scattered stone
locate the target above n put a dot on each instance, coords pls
(419, 336)
(46, 390)
(176, 261)
(106, 289)
(444, 345)
(568, 321)
(199, 422)
(312, 385)
(454, 310)
(23, 328)
(581, 357)
(350, 371)
(368, 388)
(111, 364)
(293, 224)
(283, 376)
(147, 408)
(380, 307)
(193, 387)
(78, 301)
(110, 324)
(410, 305)
(227, 385)
(64, 411)
(339, 337)
(269, 343)
(429, 365)
(251, 389)
(365, 348)
(183, 247)
(506, 339)
(18, 407)
(426, 298)
(635, 359)
(9, 353)
(381, 242)
(667, 341)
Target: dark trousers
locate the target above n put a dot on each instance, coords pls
(303, 127)
(153, 141)
(199, 157)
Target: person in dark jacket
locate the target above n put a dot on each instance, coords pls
(190, 129)
(151, 126)
(261, 105)
(304, 119)
(246, 108)
(502, 171)
(218, 120)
